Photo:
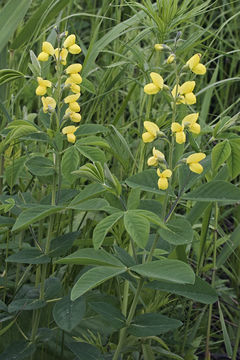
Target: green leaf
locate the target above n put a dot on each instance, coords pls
(91, 152)
(179, 231)
(103, 227)
(200, 291)
(10, 17)
(167, 353)
(88, 85)
(93, 278)
(18, 350)
(91, 257)
(233, 160)
(152, 217)
(84, 351)
(40, 166)
(167, 270)
(90, 205)
(146, 181)
(93, 140)
(137, 227)
(216, 190)
(33, 214)
(61, 244)
(13, 171)
(25, 304)
(92, 172)
(29, 256)
(152, 324)
(110, 312)
(231, 245)
(7, 75)
(70, 162)
(226, 338)
(6, 221)
(89, 191)
(68, 314)
(90, 129)
(220, 153)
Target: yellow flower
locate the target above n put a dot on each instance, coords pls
(152, 131)
(155, 86)
(75, 88)
(180, 135)
(74, 106)
(158, 47)
(191, 122)
(74, 78)
(42, 86)
(49, 104)
(195, 66)
(69, 131)
(70, 44)
(185, 93)
(193, 162)
(170, 59)
(71, 98)
(62, 55)
(75, 117)
(163, 181)
(43, 56)
(47, 48)
(157, 157)
(74, 69)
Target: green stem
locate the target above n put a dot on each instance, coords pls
(237, 342)
(203, 236)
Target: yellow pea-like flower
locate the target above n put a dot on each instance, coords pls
(158, 47)
(74, 69)
(191, 122)
(193, 162)
(185, 93)
(156, 158)
(69, 131)
(152, 131)
(69, 41)
(195, 65)
(47, 48)
(43, 56)
(74, 106)
(178, 130)
(75, 88)
(156, 85)
(75, 117)
(49, 104)
(42, 86)
(62, 55)
(170, 59)
(163, 178)
(71, 98)
(74, 78)
(74, 49)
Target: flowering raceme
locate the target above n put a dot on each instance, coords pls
(157, 157)
(69, 43)
(185, 93)
(42, 86)
(195, 66)
(156, 85)
(193, 162)
(163, 178)
(152, 131)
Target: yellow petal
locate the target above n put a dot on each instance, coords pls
(158, 47)
(74, 49)
(43, 56)
(196, 168)
(176, 127)
(75, 117)
(45, 83)
(200, 69)
(162, 183)
(195, 158)
(190, 119)
(157, 80)
(195, 128)
(187, 87)
(193, 61)
(151, 127)
(74, 106)
(74, 69)
(75, 88)
(152, 161)
(49, 104)
(41, 90)
(74, 78)
(71, 138)
(190, 99)
(71, 98)
(167, 173)
(47, 48)
(174, 91)
(62, 54)
(151, 89)
(159, 173)
(148, 137)
(69, 129)
(170, 59)
(69, 41)
(158, 154)
(180, 137)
